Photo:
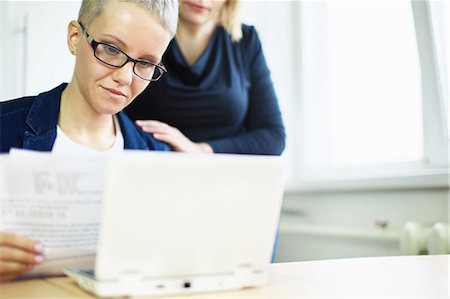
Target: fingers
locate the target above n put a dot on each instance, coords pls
(180, 143)
(169, 139)
(20, 242)
(149, 123)
(172, 136)
(13, 268)
(163, 132)
(154, 126)
(18, 254)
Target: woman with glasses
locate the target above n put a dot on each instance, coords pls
(217, 95)
(118, 47)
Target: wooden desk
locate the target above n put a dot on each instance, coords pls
(376, 277)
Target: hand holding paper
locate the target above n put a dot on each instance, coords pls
(54, 200)
(18, 255)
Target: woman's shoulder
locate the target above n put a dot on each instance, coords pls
(24, 103)
(15, 105)
(250, 41)
(249, 34)
(135, 138)
(16, 109)
(248, 30)
(46, 103)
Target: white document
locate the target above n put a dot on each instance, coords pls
(54, 199)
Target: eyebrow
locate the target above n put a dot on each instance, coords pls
(148, 57)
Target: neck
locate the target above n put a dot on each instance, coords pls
(193, 39)
(188, 29)
(82, 124)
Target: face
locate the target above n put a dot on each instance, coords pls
(200, 12)
(130, 28)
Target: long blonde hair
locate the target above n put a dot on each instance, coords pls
(230, 19)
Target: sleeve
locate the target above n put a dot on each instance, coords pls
(264, 132)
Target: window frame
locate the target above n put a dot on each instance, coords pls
(435, 132)
(431, 172)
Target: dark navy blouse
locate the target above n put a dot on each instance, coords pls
(226, 98)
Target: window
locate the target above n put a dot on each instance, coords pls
(366, 96)
(368, 92)
(363, 86)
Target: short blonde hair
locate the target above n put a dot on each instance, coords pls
(230, 19)
(166, 10)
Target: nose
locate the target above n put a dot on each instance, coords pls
(124, 74)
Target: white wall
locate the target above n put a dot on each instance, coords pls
(323, 225)
(35, 57)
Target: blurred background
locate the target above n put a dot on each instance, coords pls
(363, 87)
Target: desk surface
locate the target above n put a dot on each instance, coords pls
(375, 277)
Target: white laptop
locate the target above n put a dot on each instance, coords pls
(176, 223)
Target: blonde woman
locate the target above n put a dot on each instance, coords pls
(218, 96)
(118, 46)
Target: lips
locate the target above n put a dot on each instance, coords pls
(197, 7)
(114, 91)
(115, 94)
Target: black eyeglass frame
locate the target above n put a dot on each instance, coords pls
(94, 44)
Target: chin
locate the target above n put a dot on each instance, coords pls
(110, 110)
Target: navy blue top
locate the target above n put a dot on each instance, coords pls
(31, 122)
(226, 98)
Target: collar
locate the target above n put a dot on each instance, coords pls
(132, 138)
(42, 120)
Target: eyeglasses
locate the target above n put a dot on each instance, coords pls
(115, 57)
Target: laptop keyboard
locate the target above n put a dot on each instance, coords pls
(88, 272)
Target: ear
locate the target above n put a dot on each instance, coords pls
(74, 35)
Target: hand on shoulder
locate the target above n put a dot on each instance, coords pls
(172, 136)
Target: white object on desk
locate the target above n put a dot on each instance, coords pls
(174, 223)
